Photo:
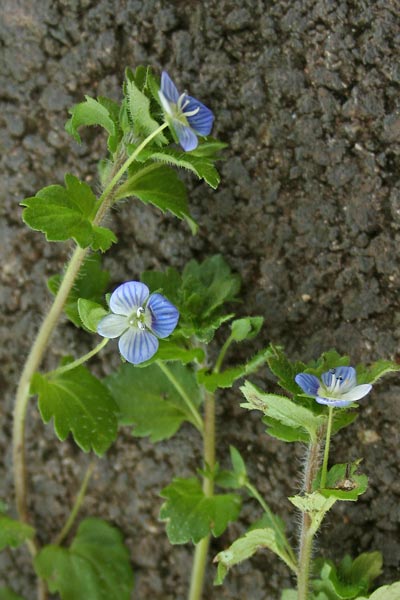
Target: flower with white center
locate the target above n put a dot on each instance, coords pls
(187, 116)
(337, 388)
(138, 319)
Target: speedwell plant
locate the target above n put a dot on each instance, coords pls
(161, 324)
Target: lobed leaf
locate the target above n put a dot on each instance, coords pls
(342, 482)
(63, 213)
(95, 567)
(13, 533)
(79, 404)
(138, 105)
(316, 505)
(159, 185)
(375, 371)
(190, 515)
(151, 402)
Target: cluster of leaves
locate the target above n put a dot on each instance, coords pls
(70, 212)
(300, 418)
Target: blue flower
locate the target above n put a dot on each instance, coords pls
(187, 116)
(337, 388)
(138, 319)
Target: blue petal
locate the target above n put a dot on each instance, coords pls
(164, 315)
(346, 374)
(308, 383)
(203, 120)
(187, 138)
(128, 296)
(137, 345)
(168, 88)
(333, 402)
(112, 326)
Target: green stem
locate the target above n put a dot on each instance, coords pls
(39, 346)
(222, 353)
(168, 373)
(290, 556)
(76, 507)
(78, 361)
(327, 445)
(201, 552)
(306, 533)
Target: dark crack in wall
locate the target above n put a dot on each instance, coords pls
(306, 94)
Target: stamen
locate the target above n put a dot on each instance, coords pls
(140, 312)
(191, 113)
(141, 325)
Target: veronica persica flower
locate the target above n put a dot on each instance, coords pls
(187, 116)
(138, 319)
(338, 387)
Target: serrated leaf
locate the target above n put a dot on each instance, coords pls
(114, 110)
(202, 166)
(225, 379)
(79, 404)
(159, 185)
(90, 284)
(246, 546)
(63, 213)
(342, 482)
(285, 433)
(13, 533)
(246, 328)
(209, 147)
(374, 372)
(282, 409)
(138, 105)
(7, 593)
(386, 592)
(190, 515)
(90, 313)
(316, 505)
(150, 401)
(91, 112)
(95, 567)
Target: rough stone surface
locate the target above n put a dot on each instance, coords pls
(306, 94)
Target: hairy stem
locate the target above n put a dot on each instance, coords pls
(326, 451)
(168, 373)
(306, 534)
(39, 346)
(77, 505)
(201, 552)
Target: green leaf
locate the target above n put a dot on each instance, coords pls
(225, 379)
(365, 568)
(316, 505)
(246, 546)
(190, 515)
(138, 105)
(95, 567)
(199, 294)
(386, 592)
(114, 111)
(159, 185)
(13, 533)
(374, 372)
(90, 313)
(67, 212)
(150, 401)
(284, 370)
(209, 147)
(342, 482)
(93, 112)
(285, 433)
(333, 587)
(7, 593)
(90, 284)
(289, 595)
(233, 479)
(246, 328)
(282, 409)
(202, 166)
(80, 404)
